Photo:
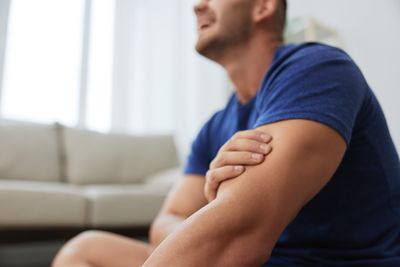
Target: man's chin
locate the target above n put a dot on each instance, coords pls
(205, 47)
(201, 49)
(211, 48)
(201, 45)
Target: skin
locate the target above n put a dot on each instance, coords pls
(216, 220)
(244, 54)
(97, 248)
(245, 148)
(241, 226)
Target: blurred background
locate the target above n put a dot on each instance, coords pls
(129, 66)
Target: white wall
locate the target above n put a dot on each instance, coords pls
(4, 10)
(370, 31)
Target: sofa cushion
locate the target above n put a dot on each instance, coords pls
(29, 151)
(165, 178)
(124, 205)
(96, 158)
(35, 204)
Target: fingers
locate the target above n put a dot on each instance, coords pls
(216, 176)
(250, 140)
(253, 135)
(244, 148)
(247, 145)
(239, 158)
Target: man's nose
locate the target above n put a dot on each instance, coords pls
(200, 6)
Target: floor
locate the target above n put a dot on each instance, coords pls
(38, 254)
(28, 255)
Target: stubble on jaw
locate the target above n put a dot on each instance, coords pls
(233, 30)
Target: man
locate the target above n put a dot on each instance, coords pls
(327, 195)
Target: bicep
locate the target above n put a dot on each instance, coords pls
(305, 156)
(186, 197)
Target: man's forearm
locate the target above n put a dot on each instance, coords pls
(206, 240)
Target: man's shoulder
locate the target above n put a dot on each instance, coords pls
(314, 61)
(314, 82)
(313, 48)
(312, 52)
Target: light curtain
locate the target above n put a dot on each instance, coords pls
(160, 84)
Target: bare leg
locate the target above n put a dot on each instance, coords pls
(98, 249)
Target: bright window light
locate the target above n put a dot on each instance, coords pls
(43, 61)
(100, 74)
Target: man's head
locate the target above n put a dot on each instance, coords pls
(226, 24)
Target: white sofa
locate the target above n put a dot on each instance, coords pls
(55, 176)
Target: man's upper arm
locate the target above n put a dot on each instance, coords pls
(241, 226)
(305, 156)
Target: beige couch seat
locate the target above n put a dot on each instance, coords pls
(55, 176)
(37, 204)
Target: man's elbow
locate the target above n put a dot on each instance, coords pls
(162, 226)
(246, 251)
(155, 233)
(246, 241)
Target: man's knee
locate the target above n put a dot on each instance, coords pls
(78, 249)
(84, 241)
(87, 238)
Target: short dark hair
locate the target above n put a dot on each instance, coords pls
(281, 17)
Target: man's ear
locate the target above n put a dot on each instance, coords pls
(264, 10)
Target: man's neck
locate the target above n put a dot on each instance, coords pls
(248, 65)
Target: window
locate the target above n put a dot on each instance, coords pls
(42, 63)
(58, 62)
(100, 68)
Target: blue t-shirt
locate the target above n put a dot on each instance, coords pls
(355, 219)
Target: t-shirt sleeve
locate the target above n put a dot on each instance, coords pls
(322, 85)
(199, 157)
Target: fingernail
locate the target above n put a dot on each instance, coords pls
(265, 137)
(265, 148)
(256, 157)
(239, 168)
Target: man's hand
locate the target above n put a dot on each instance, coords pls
(245, 148)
